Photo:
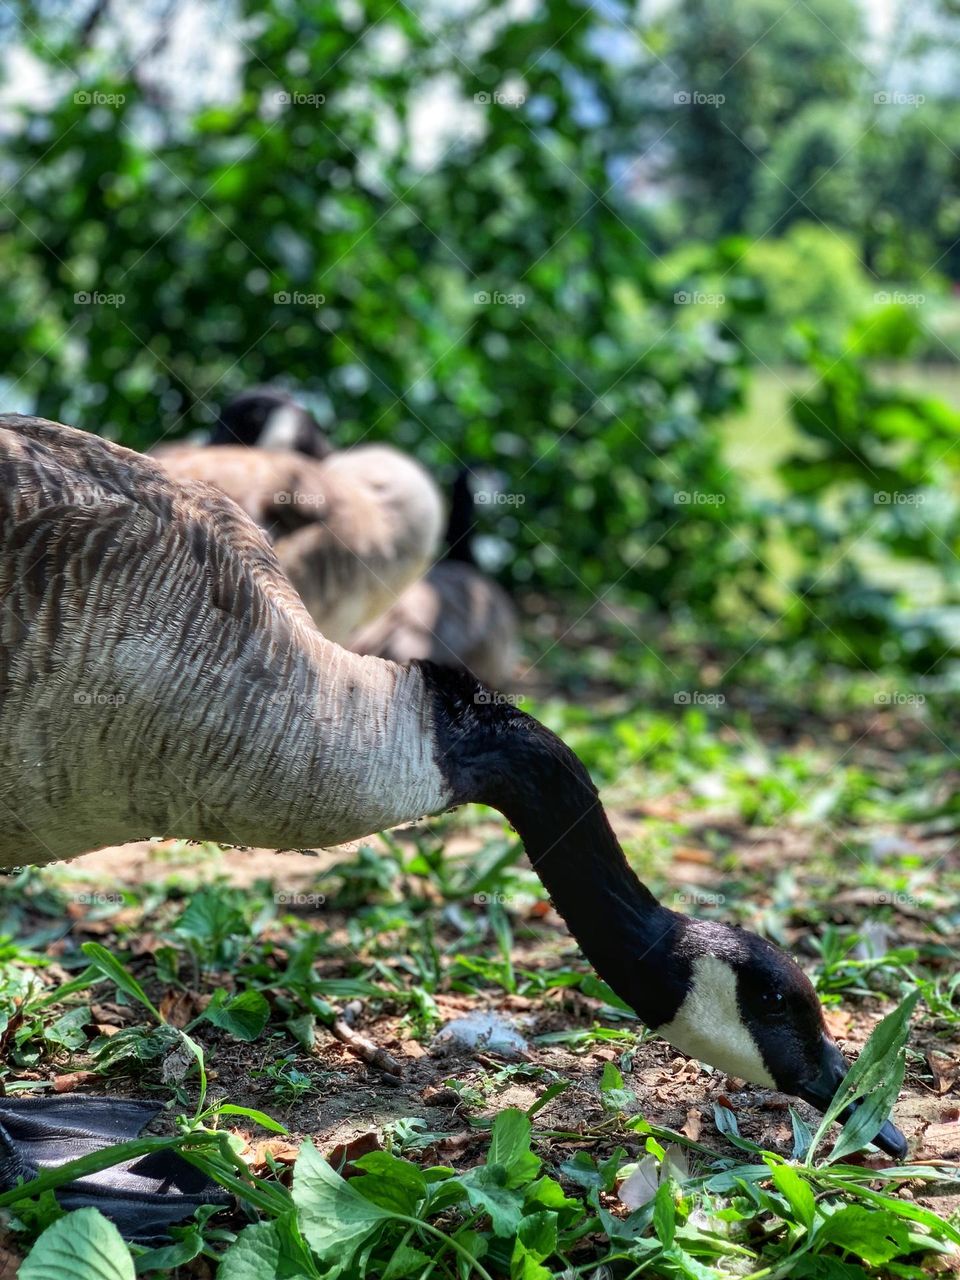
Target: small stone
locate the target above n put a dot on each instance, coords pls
(483, 1031)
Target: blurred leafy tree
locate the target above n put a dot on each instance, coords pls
(491, 301)
(818, 120)
(771, 65)
(875, 470)
(813, 274)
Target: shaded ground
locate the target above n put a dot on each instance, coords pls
(831, 835)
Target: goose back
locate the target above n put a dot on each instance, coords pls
(351, 532)
(455, 616)
(160, 676)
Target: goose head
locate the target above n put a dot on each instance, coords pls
(270, 419)
(744, 1006)
(717, 993)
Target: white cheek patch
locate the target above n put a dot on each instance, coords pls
(708, 1025)
(280, 429)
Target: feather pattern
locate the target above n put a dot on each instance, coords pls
(351, 531)
(160, 675)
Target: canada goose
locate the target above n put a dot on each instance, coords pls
(350, 531)
(270, 419)
(160, 676)
(454, 614)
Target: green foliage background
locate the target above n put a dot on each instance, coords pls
(522, 291)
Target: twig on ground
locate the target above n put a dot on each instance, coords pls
(364, 1048)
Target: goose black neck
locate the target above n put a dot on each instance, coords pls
(462, 524)
(492, 753)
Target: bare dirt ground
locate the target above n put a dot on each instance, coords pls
(351, 1106)
(354, 1104)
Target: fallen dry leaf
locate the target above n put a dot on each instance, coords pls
(10, 1261)
(944, 1071)
(942, 1141)
(690, 853)
(440, 1096)
(106, 1012)
(13, 1025)
(662, 808)
(96, 928)
(179, 1008)
(279, 1150)
(72, 1080)
(447, 1149)
(692, 1125)
(838, 1022)
(344, 1153)
(144, 944)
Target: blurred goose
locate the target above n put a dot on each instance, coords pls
(454, 614)
(350, 531)
(160, 676)
(270, 419)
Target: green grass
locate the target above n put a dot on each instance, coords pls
(761, 436)
(224, 998)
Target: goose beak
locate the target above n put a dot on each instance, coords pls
(819, 1093)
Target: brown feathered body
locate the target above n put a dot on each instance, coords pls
(350, 531)
(159, 675)
(454, 615)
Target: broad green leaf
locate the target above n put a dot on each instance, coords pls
(536, 1241)
(82, 1245)
(406, 1262)
(582, 1170)
(796, 1191)
(111, 966)
(334, 1219)
(876, 1077)
(243, 1016)
(304, 1030)
(665, 1214)
(487, 1190)
(263, 1251)
(613, 1095)
(547, 1193)
(396, 1185)
(254, 1255)
(210, 917)
(450, 1192)
(510, 1147)
(538, 1233)
(874, 1235)
(611, 1078)
(683, 1264)
(68, 1030)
